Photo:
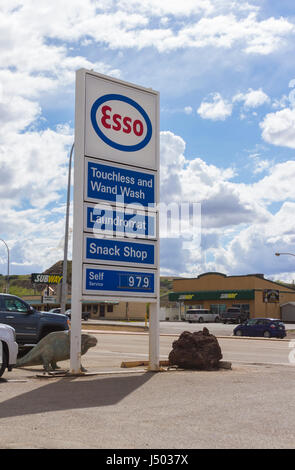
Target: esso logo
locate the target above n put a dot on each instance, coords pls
(121, 122)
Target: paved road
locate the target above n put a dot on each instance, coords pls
(249, 406)
(218, 329)
(115, 348)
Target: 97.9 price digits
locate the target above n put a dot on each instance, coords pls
(139, 281)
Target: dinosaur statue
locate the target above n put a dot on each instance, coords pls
(53, 348)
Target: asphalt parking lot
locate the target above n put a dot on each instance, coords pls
(115, 408)
(248, 407)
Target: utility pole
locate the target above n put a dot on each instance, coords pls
(7, 281)
(65, 261)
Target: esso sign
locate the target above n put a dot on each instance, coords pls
(121, 122)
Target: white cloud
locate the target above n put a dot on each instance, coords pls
(253, 98)
(258, 164)
(188, 110)
(278, 185)
(220, 109)
(130, 24)
(253, 248)
(35, 163)
(16, 114)
(280, 102)
(279, 128)
(239, 230)
(223, 203)
(217, 109)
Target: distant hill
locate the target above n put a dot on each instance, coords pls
(18, 285)
(21, 285)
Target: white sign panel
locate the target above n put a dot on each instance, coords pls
(120, 123)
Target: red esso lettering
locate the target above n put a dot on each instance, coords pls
(117, 123)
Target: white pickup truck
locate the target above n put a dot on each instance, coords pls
(201, 315)
(8, 348)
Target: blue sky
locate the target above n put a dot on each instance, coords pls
(224, 70)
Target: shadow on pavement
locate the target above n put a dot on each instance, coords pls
(69, 394)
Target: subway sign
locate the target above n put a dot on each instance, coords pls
(39, 278)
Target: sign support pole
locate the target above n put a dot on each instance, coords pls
(154, 353)
(76, 296)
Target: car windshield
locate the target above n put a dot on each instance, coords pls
(197, 311)
(251, 322)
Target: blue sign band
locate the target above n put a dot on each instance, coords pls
(119, 281)
(109, 183)
(114, 250)
(119, 223)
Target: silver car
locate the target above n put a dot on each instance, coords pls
(201, 315)
(8, 348)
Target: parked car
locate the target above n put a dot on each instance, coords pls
(267, 327)
(55, 310)
(201, 315)
(85, 315)
(8, 348)
(30, 325)
(234, 315)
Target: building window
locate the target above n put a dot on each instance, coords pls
(245, 308)
(218, 308)
(101, 310)
(110, 308)
(194, 306)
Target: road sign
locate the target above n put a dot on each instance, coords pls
(122, 281)
(116, 195)
(49, 299)
(119, 252)
(106, 220)
(118, 184)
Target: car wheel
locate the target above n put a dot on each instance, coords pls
(238, 333)
(201, 320)
(4, 364)
(266, 334)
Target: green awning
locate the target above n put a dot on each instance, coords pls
(212, 295)
(95, 302)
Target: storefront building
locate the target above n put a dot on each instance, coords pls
(108, 310)
(216, 292)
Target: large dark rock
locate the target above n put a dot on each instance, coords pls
(198, 350)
